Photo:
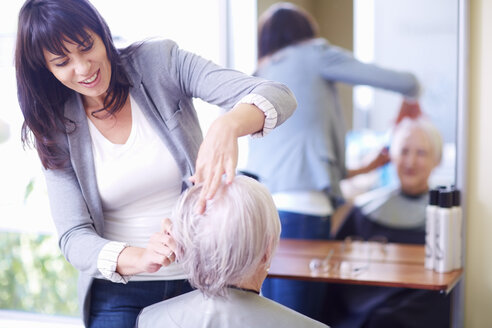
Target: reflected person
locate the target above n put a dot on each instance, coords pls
(398, 215)
(398, 212)
(303, 161)
(226, 252)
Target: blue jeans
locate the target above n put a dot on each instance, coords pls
(306, 297)
(118, 305)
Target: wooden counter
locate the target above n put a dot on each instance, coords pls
(361, 263)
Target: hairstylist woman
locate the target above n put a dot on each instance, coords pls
(118, 136)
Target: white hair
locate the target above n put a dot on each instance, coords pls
(407, 126)
(238, 232)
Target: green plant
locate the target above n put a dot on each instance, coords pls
(34, 276)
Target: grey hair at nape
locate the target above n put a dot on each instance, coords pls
(238, 232)
(407, 126)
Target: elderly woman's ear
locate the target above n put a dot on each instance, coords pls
(267, 257)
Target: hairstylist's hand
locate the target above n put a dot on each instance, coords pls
(219, 151)
(410, 109)
(381, 159)
(217, 156)
(160, 250)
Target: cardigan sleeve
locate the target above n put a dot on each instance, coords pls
(77, 236)
(196, 77)
(340, 65)
(267, 108)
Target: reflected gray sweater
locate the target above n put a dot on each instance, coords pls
(308, 152)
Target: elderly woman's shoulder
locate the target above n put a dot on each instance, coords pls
(379, 195)
(282, 316)
(193, 309)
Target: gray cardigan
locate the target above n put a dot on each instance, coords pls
(164, 80)
(308, 152)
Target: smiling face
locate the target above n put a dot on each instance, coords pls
(415, 161)
(85, 69)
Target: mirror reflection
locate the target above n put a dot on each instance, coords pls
(403, 62)
(402, 36)
(398, 36)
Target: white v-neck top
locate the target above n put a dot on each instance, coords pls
(139, 183)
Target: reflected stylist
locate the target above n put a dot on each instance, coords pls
(303, 161)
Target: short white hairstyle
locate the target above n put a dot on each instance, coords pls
(238, 232)
(407, 126)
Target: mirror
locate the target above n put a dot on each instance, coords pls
(425, 38)
(401, 35)
(397, 35)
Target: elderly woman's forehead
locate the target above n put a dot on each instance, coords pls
(414, 137)
(417, 134)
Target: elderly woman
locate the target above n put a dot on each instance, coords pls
(399, 215)
(226, 252)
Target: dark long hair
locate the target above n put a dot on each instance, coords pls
(281, 25)
(47, 24)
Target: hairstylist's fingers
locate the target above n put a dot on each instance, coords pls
(203, 197)
(160, 259)
(214, 182)
(200, 204)
(230, 171)
(163, 253)
(155, 257)
(167, 258)
(171, 257)
(230, 174)
(207, 178)
(199, 172)
(195, 178)
(166, 225)
(169, 242)
(384, 158)
(212, 189)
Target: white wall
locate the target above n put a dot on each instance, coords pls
(478, 282)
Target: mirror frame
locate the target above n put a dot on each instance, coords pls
(458, 301)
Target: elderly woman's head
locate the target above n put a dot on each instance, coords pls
(416, 149)
(232, 242)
